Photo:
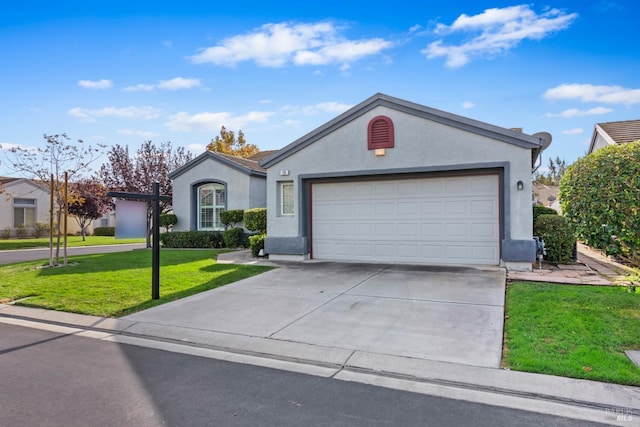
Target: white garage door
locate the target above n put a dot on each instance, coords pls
(445, 220)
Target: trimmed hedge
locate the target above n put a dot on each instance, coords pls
(104, 231)
(232, 217)
(192, 239)
(232, 237)
(256, 220)
(256, 242)
(168, 220)
(599, 197)
(557, 235)
(542, 210)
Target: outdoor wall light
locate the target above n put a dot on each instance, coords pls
(520, 185)
(284, 172)
(380, 152)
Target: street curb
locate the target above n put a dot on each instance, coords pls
(597, 397)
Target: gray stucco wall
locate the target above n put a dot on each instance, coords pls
(420, 145)
(242, 191)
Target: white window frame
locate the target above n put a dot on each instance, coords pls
(217, 206)
(23, 204)
(283, 206)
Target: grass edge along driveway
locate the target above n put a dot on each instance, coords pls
(72, 241)
(117, 284)
(572, 331)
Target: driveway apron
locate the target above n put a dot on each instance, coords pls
(451, 314)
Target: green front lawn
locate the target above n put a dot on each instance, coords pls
(572, 331)
(43, 242)
(117, 284)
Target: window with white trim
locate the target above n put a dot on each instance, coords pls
(286, 198)
(211, 201)
(24, 213)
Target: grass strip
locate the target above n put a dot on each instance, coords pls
(572, 331)
(117, 284)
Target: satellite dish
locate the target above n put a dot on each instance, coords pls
(545, 139)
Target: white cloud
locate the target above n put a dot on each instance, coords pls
(333, 107)
(574, 112)
(138, 133)
(500, 29)
(196, 148)
(575, 131)
(276, 45)
(179, 83)
(212, 122)
(468, 104)
(311, 110)
(99, 84)
(142, 113)
(139, 88)
(594, 93)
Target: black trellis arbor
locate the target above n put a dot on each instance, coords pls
(155, 199)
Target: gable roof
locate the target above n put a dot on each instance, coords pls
(6, 182)
(620, 132)
(246, 166)
(380, 99)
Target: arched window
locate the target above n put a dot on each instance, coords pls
(211, 201)
(380, 133)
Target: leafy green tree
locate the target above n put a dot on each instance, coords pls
(600, 196)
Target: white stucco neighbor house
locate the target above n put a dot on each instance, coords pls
(393, 181)
(611, 133)
(26, 202)
(211, 183)
(23, 203)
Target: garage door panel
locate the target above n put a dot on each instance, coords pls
(439, 220)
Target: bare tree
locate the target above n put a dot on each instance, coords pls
(42, 164)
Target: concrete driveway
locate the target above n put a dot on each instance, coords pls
(451, 314)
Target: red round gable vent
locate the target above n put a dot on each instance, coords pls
(380, 133)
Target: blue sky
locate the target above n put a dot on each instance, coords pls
(122, 73)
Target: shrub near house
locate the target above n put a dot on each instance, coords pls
(599, 197)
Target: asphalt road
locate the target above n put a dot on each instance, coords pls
(7, 257)
(49, 379)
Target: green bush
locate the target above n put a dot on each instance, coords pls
(232, 237)
(232, 217)
(104, 231)
(192, 239)
(542, 210)
(557, 235)
(5, 233)
(168, 220)
(599, 197)
(256, 220)
(256, 242)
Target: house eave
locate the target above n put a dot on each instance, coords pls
(220, 159)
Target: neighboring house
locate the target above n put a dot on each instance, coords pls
(612, 133)
(213, 182)
(394, 181)
(547, 195)
(26, 202)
